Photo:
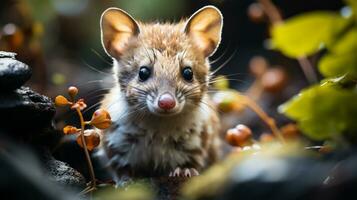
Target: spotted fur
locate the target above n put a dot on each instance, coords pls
(141, 143)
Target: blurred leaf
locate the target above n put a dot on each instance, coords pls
(347, 43)
(353, 5)
(58, 79)
(323, 111)
(153, 9)
(41, 10)
(332, 65)
(305, 34)
(221, 83)
(139, 190)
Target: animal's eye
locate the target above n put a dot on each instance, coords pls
(187, 73)
(144, 73)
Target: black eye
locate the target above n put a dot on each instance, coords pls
(144, 73)
(187, 73)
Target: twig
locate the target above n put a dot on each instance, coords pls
(264, 116)
(89, 162)
(275, 18)
(308, 70)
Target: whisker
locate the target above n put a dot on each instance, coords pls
(221, 56)
(101, 57)
(91, 107)
(95, 69)
(225, 63)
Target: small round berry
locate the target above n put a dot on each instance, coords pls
(258, 65)
(266, 138)
(274, 80)
(72, 91)
(290, 131)
(256, 12)
(239, 136)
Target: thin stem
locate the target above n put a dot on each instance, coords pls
(255, 90)
(264, 116)
(89, 162)
(271, 11)
(307, 68)
(275, 18)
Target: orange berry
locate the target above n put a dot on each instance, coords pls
(61, 101)
(274, 80)
(290, 131)
(266, 138)
(258, 65)
(101, 119)
(72, 91)
(70, 130)
(256, 12)
(239, 136)
(91, 137)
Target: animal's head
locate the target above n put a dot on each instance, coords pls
(162, 68)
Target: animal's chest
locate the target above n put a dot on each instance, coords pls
(156, 148)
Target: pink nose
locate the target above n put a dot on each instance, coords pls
(166, 101)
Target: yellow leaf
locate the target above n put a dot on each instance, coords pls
(305, 34)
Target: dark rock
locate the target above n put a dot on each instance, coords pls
(168, 188)
(13, 73)
(64, 174)
(25, 111)
(23, 177)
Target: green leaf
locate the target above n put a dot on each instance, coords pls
(305, 34)
(347, 42)
(322, 112)
(332, 65)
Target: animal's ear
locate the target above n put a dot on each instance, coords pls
(205, 27)
(117, 28)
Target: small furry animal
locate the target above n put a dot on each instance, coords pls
(163, 123)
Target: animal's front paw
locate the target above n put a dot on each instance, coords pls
(184, 172)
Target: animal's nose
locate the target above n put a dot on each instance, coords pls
(166, 101)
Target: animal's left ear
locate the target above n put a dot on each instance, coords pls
(205, 28)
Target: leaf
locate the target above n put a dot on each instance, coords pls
(221, 83)
(305, 34)
(332, 65)
(353, 5)
(228, 100)
(347, 43)
(323, 111)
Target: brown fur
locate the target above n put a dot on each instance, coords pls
(191, 135)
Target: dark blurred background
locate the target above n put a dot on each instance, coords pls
(60, 39)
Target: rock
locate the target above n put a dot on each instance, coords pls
(168, 188)
(23, 177)
(65, 175)
(25, 111)
(13, 73)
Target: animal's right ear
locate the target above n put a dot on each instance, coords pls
(117, 28)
